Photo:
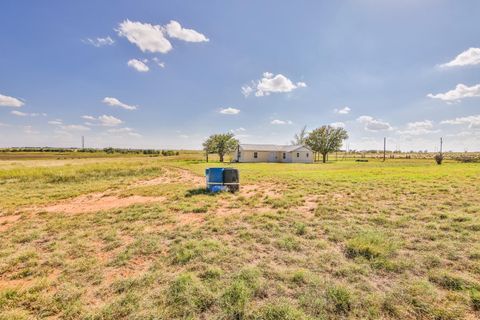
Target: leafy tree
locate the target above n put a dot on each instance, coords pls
(326, 139)
(220, 144)
(301, 137)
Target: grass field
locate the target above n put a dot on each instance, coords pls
(138, 238)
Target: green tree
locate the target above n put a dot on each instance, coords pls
(301, 137)
(220, 144)
(326, 139)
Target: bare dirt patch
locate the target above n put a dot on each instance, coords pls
(98, 202)
(7, 221)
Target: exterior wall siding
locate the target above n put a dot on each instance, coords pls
(304, 156)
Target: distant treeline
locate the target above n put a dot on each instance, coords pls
(92, 150)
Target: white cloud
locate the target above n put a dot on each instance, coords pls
(104, 120)
(241, 129)
(372, 124)
(277, 121)
(125, 130)
(419, 128)
(344, 110)
(271, 84)
(472, 121)
(100, 42)
(6, 101)
(74, 127)
(158, 62)
(461, 91)
(337, 124)
(468, 57)
(175, 30)
(138, 65)
(109, 121)
(229, 110)
(30, 130)
(145, 36)
(55, 122)
(25, 114)
(114, 102)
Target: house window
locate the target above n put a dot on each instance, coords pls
(284, 155)
(307, 154)
(298, 154)
(255, 155)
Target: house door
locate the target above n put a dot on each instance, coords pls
(272, 157)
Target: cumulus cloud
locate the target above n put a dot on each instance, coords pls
(418, 128)
(372, 124)
(175, 30)
(100, 42)
(104, 120)
(7, 101)
(229, 110)
(271, 84)
(25, 114)
(114, 102)
(344, 110)
(468, 57)
(473, 122)
(145, 36)
(277, 121)
(337, 124)
(138, 65)
(461, 91)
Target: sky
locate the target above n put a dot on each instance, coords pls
(166, 74)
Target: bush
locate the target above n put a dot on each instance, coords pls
(438, 158)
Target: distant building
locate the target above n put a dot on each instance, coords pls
(272, 153)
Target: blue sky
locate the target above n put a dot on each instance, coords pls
(166, 74)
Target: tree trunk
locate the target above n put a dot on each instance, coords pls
(324, 155)
(206, 156)
(221, 157)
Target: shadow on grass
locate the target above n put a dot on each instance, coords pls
(199, 191)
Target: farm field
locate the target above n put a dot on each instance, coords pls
(137, 237)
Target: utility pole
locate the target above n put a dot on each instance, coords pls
(83, 142)
(441, 145)
(384, 148)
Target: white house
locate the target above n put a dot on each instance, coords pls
(272, 153)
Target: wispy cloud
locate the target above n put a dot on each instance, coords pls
(103, 120)
(99, 42)
(473, 121)
(271, 84)
(7, 101)
(344, 110)
(26, 114)
(114, 102)
(281, 122)
(229, 110)
(418, 128)
(337, 124)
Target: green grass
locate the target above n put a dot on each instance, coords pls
(393, 240)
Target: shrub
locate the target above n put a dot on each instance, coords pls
(439, 158)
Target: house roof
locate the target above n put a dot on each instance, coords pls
(270, 147)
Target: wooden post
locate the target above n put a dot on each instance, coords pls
(384, 147)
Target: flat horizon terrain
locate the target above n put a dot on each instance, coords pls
(137, 237)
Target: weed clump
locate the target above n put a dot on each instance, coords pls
(187, 296)
(370, 245)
